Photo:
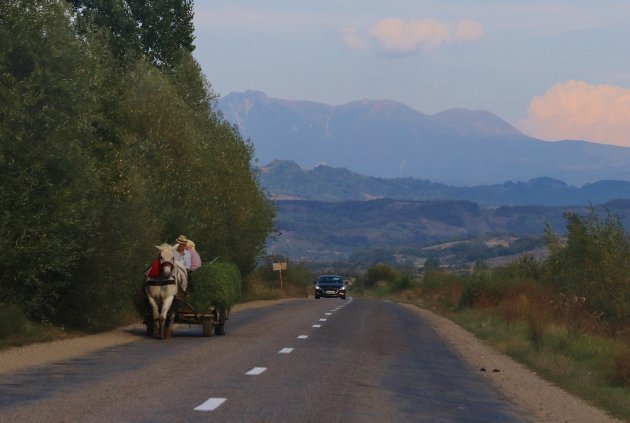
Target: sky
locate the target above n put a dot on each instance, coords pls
(553, 69)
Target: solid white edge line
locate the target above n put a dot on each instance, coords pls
(285, 351)
(256, 371)
(211, 404)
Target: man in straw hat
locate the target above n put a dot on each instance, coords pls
(181, 253)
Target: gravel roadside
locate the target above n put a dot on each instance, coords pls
(544, 401)
(521, 386)
(19, 358)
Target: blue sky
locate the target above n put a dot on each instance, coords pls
(554, 69)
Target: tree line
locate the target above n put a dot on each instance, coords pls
(583, 282)
(111, 143)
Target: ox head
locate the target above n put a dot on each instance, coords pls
(166, 260)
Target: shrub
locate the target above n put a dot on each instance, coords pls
(13, 322)
(443, 289)
(379, 272)
(537, 323)
(401, 282)
(594, 264)
(621, 374)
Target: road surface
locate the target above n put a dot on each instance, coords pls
(306, 360)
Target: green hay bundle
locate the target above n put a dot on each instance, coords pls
(217, 285)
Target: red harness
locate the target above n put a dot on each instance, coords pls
(155, 270)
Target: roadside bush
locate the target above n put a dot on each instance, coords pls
(299, 275)
(377, 273)
(473, 289)
(621, 373)
(442, 289)
(593, 264)
(537, 322)
(13, 321)
(401, 282)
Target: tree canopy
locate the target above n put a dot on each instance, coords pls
(110, 144)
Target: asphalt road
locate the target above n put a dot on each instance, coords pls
(307, 360)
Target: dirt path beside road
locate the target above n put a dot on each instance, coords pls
(546, 402)
(14, 359)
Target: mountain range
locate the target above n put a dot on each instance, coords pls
(387, 139)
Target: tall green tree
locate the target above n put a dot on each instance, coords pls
(593, 263)
(161, 30)
(47, 102)
(101, 158)
(166, 29)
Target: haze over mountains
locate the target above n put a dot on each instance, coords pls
(387, 139)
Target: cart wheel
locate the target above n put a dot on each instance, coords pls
(207, 326)
(219, 329)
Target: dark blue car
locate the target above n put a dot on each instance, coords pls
(330, 286)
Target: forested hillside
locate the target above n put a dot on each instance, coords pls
(451, 230)
(110, 143)
(284, 179)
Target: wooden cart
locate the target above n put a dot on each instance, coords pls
(212, 320)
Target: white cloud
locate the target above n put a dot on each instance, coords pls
(578, 110)
(399, 36)
(468, 30)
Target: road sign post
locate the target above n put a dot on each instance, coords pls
(279, 267)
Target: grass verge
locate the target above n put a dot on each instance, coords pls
(588, 366)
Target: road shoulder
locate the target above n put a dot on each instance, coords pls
(19, 358)
(521, 386)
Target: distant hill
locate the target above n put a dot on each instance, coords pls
(387, 139)
(287, 180)
(328, 231)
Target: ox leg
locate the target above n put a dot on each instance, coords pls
(155, 310)
(160, 327)
(165, 322)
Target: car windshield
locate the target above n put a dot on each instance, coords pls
(330, 279)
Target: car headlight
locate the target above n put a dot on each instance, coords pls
(317, 287)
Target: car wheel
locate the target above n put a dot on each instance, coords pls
(317, 297)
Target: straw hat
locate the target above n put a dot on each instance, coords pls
(182, 239)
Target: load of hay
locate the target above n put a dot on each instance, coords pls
(217, 284)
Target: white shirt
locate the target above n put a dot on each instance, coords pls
(184, 258)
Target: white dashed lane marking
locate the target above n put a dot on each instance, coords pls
(211, 404)
(256, 371)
